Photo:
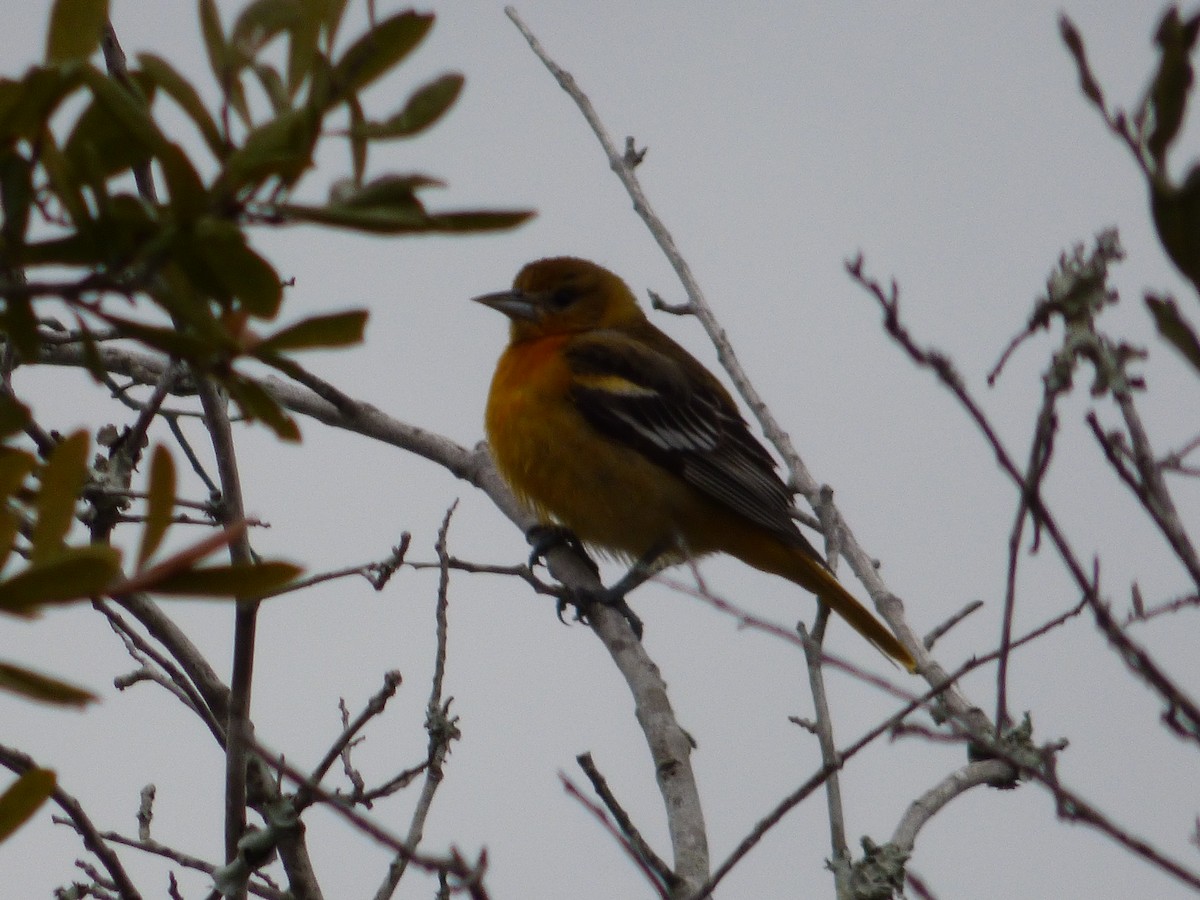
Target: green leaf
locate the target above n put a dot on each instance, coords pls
(92, 360)
(16, 194)
(302, 50)
(358, 140)
(18, 322)
(15, 466)
(160, 503)
(257, 405)
(186, 96)
(333, 330)
(35, 97)
(1176, 214)
(42, 688)
(168, 340)
(66, 185)
(1168, 93)
(76, 27)
(189, 199)
(125, 231)
(23, 798)
(260, 23)
(273, 87)
(246, 275)
(389, 190)
(214, 39)
(72, 250)
(377, 51)
(130, 112)
(281, 148)
(331, 19)
(242, 581)
(76, 573)
(62, 479)
(14, 415)
(427, 104)
(480, 220)
(380, 220)
(216, 259)
(1175, 329)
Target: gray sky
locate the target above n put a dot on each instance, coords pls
(949, 143)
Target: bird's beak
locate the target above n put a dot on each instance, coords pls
(514, 304)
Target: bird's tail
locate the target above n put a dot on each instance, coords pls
(799, 566)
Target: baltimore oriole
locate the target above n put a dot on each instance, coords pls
(603, 424)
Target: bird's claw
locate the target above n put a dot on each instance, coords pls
(544, 538)
(582, 598)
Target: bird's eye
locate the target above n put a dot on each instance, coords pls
(562, 297)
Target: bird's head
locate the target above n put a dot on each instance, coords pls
(564, 295)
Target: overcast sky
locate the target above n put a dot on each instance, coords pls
(946, 141)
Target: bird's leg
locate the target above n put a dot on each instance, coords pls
(640, 572)
(544, 538)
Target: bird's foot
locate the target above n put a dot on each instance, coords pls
(544, 538)
(612, 597)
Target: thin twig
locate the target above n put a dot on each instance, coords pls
(652, 876)
(661, 873)
(823, 729)
(20, 763)
(439, 723)
(940, 631)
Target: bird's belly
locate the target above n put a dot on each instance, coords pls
(611, 497)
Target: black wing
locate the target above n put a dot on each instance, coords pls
(676, 414)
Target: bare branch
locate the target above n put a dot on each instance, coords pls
(18, 762)
(661, 873)
(652, 876)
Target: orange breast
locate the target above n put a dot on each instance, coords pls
(610, 495)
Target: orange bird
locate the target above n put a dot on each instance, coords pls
(604, 425)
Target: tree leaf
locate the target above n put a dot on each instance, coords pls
(1176, 212)
(75, 29)
(378, 220)
(260, 22)
(76, 573)
(390, 190)
(15, 466)
(16, 194)
(426, 105)
(42, 688)
(242, 581)
(273, 87)
(160, 503)
(62, 479)
(256, 404)
(186, 96)
(333, 330)
(65, 183)
(214, 40)
(14, 415)
(377, 51)
(132, 113)
(23, 798)
(358, 140)
(249, 277)
(34, 99)
(1175, 329)
(1169, 90)
(189, 199)
(280, 148)
(168, 340)
(302, 49)
(478, 220)
(19, 323)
